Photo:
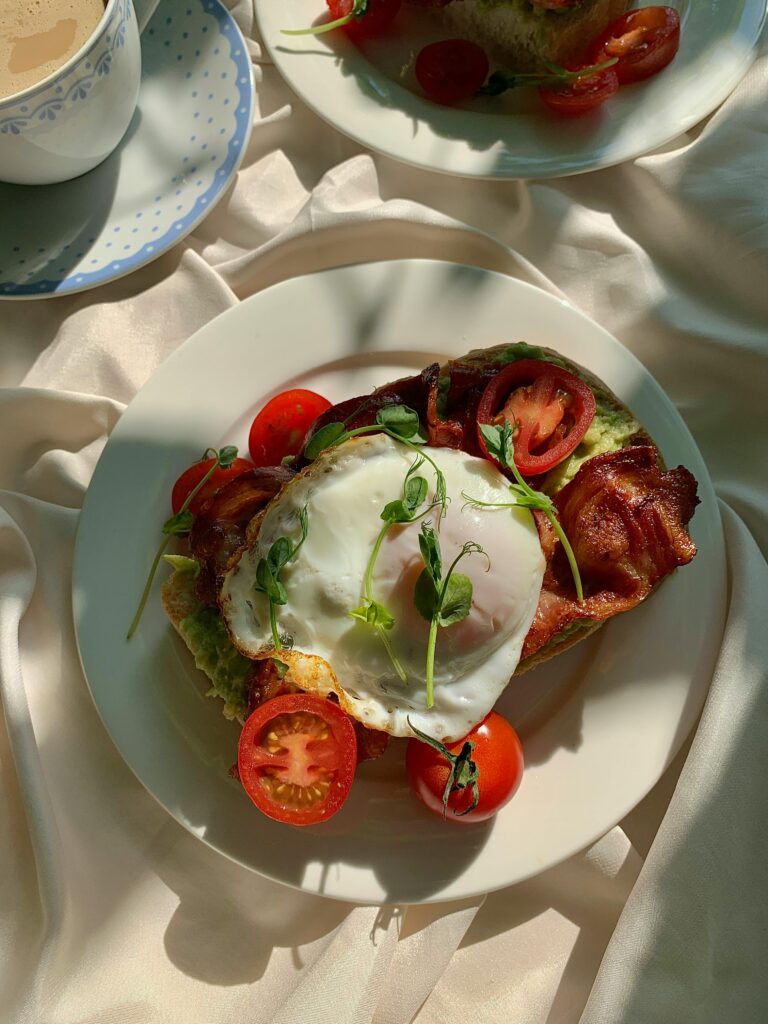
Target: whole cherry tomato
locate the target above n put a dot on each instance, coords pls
(191, 477)
(495, 761)
(644, 42)
(451, 70)
(281, 426)
(377, 16)
(549, 409)
(582, 94)
(296, 758)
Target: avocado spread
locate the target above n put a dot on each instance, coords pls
(610, 430)
(206, 636)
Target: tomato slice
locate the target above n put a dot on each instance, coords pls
(644, 42)
(281, 426)
(296, 758)
(191, 477)
(378, 15)
(583, 94)
(549, 409)
(451, 70)
(498, 755)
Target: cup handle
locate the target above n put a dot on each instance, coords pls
(144, 11)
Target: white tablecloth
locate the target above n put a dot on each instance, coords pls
(111, 912)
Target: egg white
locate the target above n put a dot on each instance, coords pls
(344, 492)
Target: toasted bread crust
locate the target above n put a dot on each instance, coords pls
(179, 599)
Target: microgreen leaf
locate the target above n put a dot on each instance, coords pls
(438, 599)
(498, 441)
(279, 555)
(415, 492)
(430, 552)
(227, 456)
(180, 524)
(268, 570)
(457, 599)
(183, 564)
(325, 437)
(399, 420)
(426, 596)
(281, 667)
(373, 614)
(464, 773)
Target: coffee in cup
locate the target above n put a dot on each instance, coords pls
(38, 36)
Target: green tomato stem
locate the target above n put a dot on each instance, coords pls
(273, 624)
(150, 578)
(431, 643)
(368, 583)
(318, 30)
(392, 656)
(147, 587)
(568, 552)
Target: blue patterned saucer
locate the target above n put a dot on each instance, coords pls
(180, 153)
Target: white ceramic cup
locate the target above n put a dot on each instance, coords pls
(69, 122)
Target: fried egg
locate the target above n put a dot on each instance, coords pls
(341, 495)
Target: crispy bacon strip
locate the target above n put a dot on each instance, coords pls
(361, 411)
(219, 528)
(625, 519)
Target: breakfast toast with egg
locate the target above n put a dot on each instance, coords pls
(622, 511)
(524, 35)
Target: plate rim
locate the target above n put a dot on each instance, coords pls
(718, 554)
(475, 166)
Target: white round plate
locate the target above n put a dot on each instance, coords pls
(372, 96)
(599, 723)
(180, 153)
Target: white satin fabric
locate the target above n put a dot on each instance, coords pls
(110, 912)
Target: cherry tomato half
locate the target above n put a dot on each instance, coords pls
(376, 18)
(296, 758)
(191, 477)
(281, 426)
(582, 94)
(498, 755)
(451, 70)
(644, 41)
(549, 409)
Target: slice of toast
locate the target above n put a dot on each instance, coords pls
(522, 38)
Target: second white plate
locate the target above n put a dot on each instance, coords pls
(366, 95)
(599, 723)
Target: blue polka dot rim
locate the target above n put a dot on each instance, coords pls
(177, 160)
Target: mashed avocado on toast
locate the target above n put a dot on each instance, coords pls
(202, 628)
(203, 631)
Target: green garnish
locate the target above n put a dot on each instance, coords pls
(181, 563)
(556, 75)
(397, 421)
(180, 524)
(404, 510)
(280, 667)
(498, 441)
(464, 771)
(359, 10)
(268, 573)
(441, 600)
